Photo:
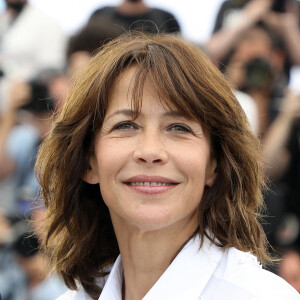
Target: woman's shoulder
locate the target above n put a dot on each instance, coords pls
(240, 272)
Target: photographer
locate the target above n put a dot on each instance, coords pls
(136, 15)
(255, 67)
(235, 17)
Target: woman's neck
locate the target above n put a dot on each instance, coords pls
(146, 255)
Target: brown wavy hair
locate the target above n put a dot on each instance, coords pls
(80, 236)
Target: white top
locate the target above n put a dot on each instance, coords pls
(249, 106)
(32, 43)
(210, 273)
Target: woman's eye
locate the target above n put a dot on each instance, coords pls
(125, 126)
(180, 128)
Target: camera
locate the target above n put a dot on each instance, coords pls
(279, 6)
(40, 101)
(258, 73)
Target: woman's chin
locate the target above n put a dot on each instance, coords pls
(152, 219)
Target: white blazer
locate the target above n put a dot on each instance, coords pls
(210, 273)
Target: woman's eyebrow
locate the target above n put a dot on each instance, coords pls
(174, 113)
(130, 113)
(125, 112)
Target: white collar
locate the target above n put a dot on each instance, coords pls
(184, 279)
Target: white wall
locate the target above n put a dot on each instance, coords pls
(196, 17)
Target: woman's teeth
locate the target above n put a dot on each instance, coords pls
(150, 183)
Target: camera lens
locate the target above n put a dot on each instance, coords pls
(258, 73)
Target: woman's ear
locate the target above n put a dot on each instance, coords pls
(91, 174)
(211, 173)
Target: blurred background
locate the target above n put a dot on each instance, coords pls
(43, 43)
(195, 17)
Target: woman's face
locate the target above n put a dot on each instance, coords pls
(152, 170)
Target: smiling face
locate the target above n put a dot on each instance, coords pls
(152, 170)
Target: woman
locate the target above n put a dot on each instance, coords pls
(152, 158)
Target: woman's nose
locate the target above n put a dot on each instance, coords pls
(150, 149)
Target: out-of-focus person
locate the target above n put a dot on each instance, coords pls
(40, 284)
(22, 127)
(255, 66)
(237, 16)
(12, 277)
(137, 15)
(87, 41)
(281, 153)
(31, 41)
(289, 267)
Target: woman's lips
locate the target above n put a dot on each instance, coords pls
(150, 185)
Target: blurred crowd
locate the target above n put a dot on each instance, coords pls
(255, 43)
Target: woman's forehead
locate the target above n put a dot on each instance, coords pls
(173, 91)
(128, 91)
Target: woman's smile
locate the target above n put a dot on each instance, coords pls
(150, 185)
